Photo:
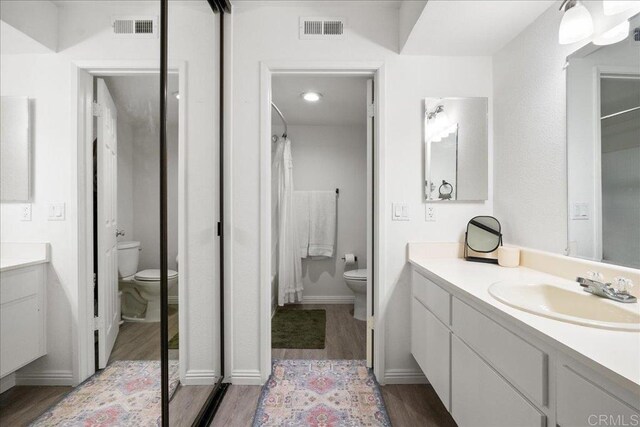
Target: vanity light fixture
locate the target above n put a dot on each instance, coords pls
(576, 24)
(613, 7)
(311, 96)
(614, 35)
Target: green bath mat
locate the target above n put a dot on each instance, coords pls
(298, 328)
(174, 342)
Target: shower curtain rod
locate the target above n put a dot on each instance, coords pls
(286, 128)
(620, 113)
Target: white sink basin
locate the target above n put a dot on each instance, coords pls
(568, 305)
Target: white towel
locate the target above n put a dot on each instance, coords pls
(322, 223)
(301, 207)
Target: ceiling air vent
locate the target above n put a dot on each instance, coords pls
(144, 27)
(322, 28)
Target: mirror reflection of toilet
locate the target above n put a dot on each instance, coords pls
(140, 289)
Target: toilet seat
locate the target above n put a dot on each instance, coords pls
(356, 275)
(153, 275)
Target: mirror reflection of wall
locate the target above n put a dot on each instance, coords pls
(15, 149)
(456, 149)
(603, 129)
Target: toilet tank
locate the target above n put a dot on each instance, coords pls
(128, 258)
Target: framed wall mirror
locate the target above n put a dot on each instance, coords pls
(456, 148)
(15, 149)
(603, 151)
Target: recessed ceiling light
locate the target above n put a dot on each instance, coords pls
(311, 96)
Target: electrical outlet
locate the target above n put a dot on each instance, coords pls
(430, 213)
(25, 212)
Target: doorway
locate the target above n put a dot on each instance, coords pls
(325, 275)
(126, 238)
(133, 89)
(319, 199)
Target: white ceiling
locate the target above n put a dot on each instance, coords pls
(137, 99)
(473, 28)
(343, 99)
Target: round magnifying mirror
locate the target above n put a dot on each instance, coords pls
(484, 235)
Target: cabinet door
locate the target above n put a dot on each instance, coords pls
(418, 336)
(431, 346)
(480, 397)
(582, 403)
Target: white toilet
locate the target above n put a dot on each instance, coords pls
(140, 289)
(357, 282)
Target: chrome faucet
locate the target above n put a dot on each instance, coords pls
(616, 291)
(119, 233)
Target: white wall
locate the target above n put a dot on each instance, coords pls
(85, 35)
(621, 206)
(38, 19)
(530, 131)
(325, 158)
(372, 34)
(146, 201)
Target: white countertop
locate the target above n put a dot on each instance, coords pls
(618, 352)
(20, 255)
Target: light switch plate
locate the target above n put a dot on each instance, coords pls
(399, 212)
(580, 211)
(25, 212)
(430, 213)
(56, 212)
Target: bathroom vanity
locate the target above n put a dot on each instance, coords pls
(22, 306)
(495, 365)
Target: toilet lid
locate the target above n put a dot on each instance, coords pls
(360, 274)
(153, 275)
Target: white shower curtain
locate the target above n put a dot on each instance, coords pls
(289, 262)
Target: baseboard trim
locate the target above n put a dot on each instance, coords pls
(322, 299)
(173, 299)
(199, 377)
(7, 382)
(61, 378)
(246, 377)
(404, 376)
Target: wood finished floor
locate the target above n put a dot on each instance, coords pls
(411, 405)
(20, 405)
(345, 336)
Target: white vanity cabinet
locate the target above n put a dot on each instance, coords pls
(480, 396)
(488, 372)
(430, 345)
(593, 404)
(22, 317)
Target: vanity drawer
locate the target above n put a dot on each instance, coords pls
(432, 296)
(20, 283)
(592, 405)
(522, 364)
(480, 397)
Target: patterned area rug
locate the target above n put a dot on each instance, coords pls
(321, 393)
(125, 393)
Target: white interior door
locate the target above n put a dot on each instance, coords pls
(108, 323)
(370, 219)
